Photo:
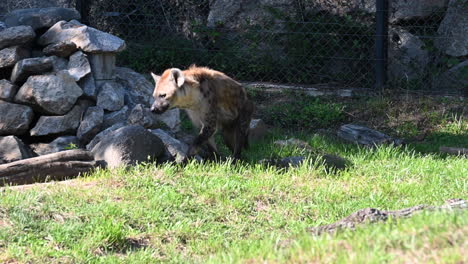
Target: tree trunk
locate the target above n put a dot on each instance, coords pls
(55, 166)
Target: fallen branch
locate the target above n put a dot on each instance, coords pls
(371, 215)
(56, 166)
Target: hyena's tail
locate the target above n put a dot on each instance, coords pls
(246, 117)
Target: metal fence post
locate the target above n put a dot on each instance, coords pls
(381, 43)
(81, 6)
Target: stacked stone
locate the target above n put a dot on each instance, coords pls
(60, 87)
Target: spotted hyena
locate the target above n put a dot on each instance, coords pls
(212, 100)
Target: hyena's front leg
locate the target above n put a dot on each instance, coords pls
(207, 131)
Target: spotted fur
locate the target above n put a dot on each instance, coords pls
(213, 101)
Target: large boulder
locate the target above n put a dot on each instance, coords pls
(414, 9)
(57, 145)
(10, 56)
(138, 90)
(16, 36)
(58, 125)
(91, 124)
(453, 30)
(59, 63)
(13, 149)
(111, 96)
(14, 118)
(127, 146)
(408, 59)
(78, 65)
(86, 38)
(32, 66)
(39, 18)
(51, 94)
(7, 90)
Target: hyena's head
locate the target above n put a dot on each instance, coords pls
(167, 89)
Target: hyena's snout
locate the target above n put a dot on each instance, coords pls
(159, 106)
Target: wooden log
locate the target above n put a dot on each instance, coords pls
(55, 166)
(454, 151)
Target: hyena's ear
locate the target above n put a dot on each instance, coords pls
(156, 78)
(178, 77)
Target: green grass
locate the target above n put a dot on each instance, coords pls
(224, 212)
(249, 213)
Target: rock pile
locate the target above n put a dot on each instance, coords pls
(60, 89)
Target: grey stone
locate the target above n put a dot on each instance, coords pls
(91, 124)
(103, 134)
(14, 118)
(406, 10)
(27, 67)
(103, 65)
(57, 145)
(58, 125)
(78, 65)
(59, 63)
(408, 59)
(13, 149)
(39, 18)
(88, 84)
(455, 78)
(112, 118)
(86, 38)
(10, 56)
(15, 36)
(453, 30)
(176, 148)
(127, 146)
(61, 49)
(111, 96)
(7, 90)
(257, 130)
(2, 26)
(141, 115)
(365, 136)
(138, 90)
(50, 94)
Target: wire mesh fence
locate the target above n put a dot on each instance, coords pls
(333, 42)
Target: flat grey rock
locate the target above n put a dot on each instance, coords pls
(86, 38)
(32, 66)
(7, 90)
(13, 149)
(50, 94)
(91, 124)
(115, 117)
(15, 119)
(10, 56)
(15, 36)
(39, 18)
(61, 49)
(58, 125)
(111, 96)
(78, 65)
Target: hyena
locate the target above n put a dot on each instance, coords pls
(212, 100)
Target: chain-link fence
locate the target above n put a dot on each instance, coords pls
(417, 45)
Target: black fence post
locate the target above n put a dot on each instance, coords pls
(381, 43)
(81, 6)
